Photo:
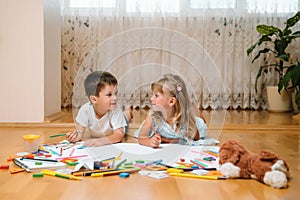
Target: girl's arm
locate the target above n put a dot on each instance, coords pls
(116, 137)
(143, 137)
(197, 136)
(168, 140)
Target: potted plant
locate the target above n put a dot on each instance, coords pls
(291, 80)
(278, 40)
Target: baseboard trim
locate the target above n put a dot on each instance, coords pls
(133, 126)
(35, 125)
(54, 117)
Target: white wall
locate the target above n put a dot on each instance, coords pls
(22, 85)
(52, 42)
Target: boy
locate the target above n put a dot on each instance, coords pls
(101, 117)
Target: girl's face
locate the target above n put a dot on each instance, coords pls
(106, 100)
(161, 101)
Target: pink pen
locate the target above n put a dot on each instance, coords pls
(72, 151)
(79, 156)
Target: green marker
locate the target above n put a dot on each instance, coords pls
(121, 163)
(139, 161)
(128, 164)
(57, 135)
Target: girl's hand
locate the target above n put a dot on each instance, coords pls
(73, 136)
(155, 141)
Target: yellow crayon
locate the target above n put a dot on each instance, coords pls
(174, 170)
(111, 160)
(196, 176)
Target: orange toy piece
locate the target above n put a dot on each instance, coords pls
(17, 170)
(11, 158)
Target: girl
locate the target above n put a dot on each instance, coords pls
(171, 119)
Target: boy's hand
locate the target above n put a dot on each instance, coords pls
(73, 136)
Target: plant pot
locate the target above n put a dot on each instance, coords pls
(278, 102)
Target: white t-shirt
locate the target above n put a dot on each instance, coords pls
(112, 120)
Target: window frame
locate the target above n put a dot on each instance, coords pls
(184, 7)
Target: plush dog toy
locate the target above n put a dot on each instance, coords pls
(238, 162)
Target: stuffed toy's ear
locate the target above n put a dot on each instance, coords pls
(266, 155)
(230, 151)
(228, 156)
(234, 158)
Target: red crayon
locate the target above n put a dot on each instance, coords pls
(4, 166)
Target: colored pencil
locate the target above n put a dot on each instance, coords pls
(101, 174)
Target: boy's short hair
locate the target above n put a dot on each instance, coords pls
(97, 80)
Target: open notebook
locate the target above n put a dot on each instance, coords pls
(31, 165)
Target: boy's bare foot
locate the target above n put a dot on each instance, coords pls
(297, 117)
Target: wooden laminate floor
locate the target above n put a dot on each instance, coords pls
(278, 132)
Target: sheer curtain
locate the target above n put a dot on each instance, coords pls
(205, 42)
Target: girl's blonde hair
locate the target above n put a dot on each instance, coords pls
(184, 114)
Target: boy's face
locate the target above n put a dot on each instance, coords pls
(106, 100)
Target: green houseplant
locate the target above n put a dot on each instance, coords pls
(279, 40)
(291, 80)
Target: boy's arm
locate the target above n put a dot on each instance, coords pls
(116, 137)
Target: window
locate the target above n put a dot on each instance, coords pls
(92, 3)
(270, 6)
(176, 6)
(212, 4)
(147, 6)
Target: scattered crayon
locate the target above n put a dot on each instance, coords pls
(4, 166)
(124, 175)
(38, 175)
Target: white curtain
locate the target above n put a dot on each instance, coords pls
(139, 41)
